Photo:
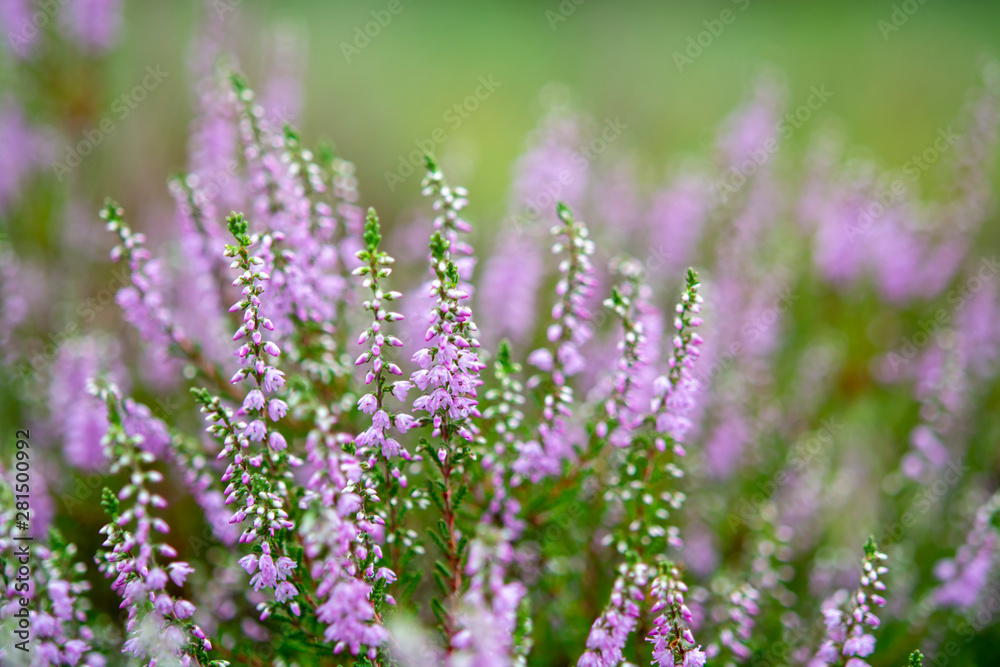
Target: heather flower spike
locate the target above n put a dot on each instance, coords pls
(675, 391)
(144, 303)
(622, 408)
(377, 438)
(448, 377)
(642, 489)
(848, 633)
(570, 330)
(63, 630)
(159, 624)
(258, 463)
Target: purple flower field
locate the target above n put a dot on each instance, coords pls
(735, 408)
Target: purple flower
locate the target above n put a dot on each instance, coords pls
(862, 645)
(253, 401)
(964, 578)
(695, 658)
(571, 329)
(277, 441)
(179, 571)
(130, 554)
(16, 17)
(267, 576)
(255, 431)
(249, 563)
(347, 613)
(285, 591)
(449, 364)
(273, 380)
(510, 282)
(156, 579)
(845, 631)
(367, 403)
(276, 409)
(183, 609)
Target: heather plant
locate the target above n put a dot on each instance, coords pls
(307, 452)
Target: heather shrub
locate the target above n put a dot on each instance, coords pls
(630, 424)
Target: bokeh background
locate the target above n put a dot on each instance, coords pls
(891, 93)
(615, 59)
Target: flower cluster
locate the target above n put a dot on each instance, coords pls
(571, 329)
(676, 389)
(143, 302)
(343, 544)
(159, 623)
(57, 589)
(618, 620)
(965, 577)
(376, 268)
(673, 642)
(449, 365)
(255, 473)
(848, 631)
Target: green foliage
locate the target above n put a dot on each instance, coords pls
(439, 247)
(564, 213)
(870, 547)
(504, 361)
(237, 226)
(451, 274)
(373, 234)
(109, 501)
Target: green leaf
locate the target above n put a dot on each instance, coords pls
(451, 272)
(237, 226)
(441, 582)
(439, 246)
(373, 234)
(459, 497)
(442, 569)
(438, 541)
(564, 213)
(109, 501)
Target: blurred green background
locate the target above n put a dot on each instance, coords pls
(891, 91)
